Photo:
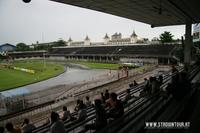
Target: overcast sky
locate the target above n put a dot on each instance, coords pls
(45, 21)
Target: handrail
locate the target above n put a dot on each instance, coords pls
(4, 117)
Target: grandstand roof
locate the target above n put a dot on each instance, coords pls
(153, 12)
(7, 47)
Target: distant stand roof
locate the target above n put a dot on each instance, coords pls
(3, 47)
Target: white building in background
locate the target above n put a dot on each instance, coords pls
(115, 39)
(69, 42)
(87, 41)
(106, 39)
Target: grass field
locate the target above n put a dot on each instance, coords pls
(10, 78)
(95, 65)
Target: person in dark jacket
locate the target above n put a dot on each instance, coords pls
(117, 109)
(101, 119)
(27, 127)
(2, 129)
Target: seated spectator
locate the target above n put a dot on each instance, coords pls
(174, 70)
(160, 80)
(130, 85)
(27, 127)
(146, 82)
(103, 98)
(116, 110)
(154, 85)
(82, 113)
(88, 103)
(180, 86)
(107, 95)
(11, 129)
(57, 126)
(151, 80)
(101, 120)
(135, 83)
(147, 87)
(77, 105)
(1, 129)
(66, 114)
(127, 97)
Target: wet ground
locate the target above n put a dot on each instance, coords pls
(69, 77)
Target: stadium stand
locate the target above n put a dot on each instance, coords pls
(128, 50)
(109, 53)
(136, 103)
(137, 110)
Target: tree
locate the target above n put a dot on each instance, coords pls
(166, 37)
(22, 47)
(60, 42)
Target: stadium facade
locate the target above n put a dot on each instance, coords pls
(115, 39)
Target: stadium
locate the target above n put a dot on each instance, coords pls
(105, 88)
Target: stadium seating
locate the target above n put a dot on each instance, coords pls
(71, 126)
(127, 50)
(136, 111)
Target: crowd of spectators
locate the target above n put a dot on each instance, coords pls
(108, 106)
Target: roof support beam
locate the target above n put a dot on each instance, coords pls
(188, 43)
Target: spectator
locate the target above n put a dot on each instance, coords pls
(57, 126)
(1, 129)
(82, 113)
(117, 109)
(66, 114)
(146, 85)
(135, 83)
(101, 120)
(130, 85)
(182, 87)
(174, 70)
(128, 96)
(107, 95)
(151, 80)
(27, 127)
(11, 129)
(77, 105)
(154, 85)
(103, 98)
(88, 103)
(160, 80)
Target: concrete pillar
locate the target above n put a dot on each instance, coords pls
(188, 43)
(106, 58)
(168, 61)
(93, 58)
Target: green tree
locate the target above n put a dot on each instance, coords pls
(166, 37)
(22, 47)
(59, 43)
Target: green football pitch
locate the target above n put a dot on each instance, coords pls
(10, 78)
